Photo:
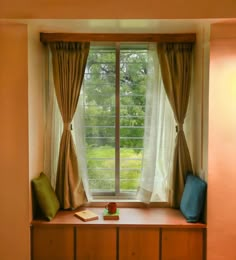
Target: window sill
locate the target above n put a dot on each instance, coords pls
(122, 203)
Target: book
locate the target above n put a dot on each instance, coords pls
(86, 215)
(109, 216)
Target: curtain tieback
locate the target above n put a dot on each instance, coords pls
(68, 126)
(179, 127)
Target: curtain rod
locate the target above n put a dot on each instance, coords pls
(116, 37)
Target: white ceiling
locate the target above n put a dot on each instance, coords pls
(117, 26)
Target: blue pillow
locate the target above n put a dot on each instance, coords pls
(193, 198)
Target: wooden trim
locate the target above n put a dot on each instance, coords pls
(75, 243)
(204, 244)
(160, 243)
(117, 122)
(117, 243)
(117, 37)
(31, 242)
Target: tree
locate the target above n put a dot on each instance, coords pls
(100, 81)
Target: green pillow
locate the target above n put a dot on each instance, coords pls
(45, 196)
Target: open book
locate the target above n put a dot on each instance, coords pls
(86, 215)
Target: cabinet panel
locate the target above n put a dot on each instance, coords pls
(138, 243)
(55, 243)
(182, 244)
(96, 243)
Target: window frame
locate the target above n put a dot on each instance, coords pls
(118, 47)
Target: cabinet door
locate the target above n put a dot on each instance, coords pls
(138, 243)
(55, 243)
(96, 243)
(182, 244)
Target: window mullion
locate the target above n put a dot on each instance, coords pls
(117, 123)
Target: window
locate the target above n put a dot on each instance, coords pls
(113, 98)
(123, 129)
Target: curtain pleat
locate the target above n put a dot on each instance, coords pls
(176, 61)
(69, 62)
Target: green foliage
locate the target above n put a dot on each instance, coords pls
(99, 95)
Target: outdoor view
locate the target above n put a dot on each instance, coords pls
(114, 118)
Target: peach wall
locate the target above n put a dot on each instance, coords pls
(35, 101)
(14, 154)
(222, 144)
(113, 9)
(199, 104)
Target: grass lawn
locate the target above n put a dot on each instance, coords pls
(101, 168)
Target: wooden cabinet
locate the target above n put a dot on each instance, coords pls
(96, 243)
(153, 234)
(52, 243)
(182, 244)
(138, 243)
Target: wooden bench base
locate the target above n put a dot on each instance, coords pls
(156, 233)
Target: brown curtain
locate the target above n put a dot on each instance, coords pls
(69, 61)
(175, 61)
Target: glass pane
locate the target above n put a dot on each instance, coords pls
(101, 180)
(99, 115)
(129, 180)
(133, 76)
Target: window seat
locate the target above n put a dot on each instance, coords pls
(146, 217)
(164, 232)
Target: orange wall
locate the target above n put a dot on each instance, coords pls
(14, 169)
(36, 82)
(222, 144)
(113, 9)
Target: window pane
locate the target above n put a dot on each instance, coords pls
(133, 72)
(99, 111)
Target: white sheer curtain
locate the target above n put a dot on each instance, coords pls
(159, 137)
(79, 139)
(54, 129)
(53, 125)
